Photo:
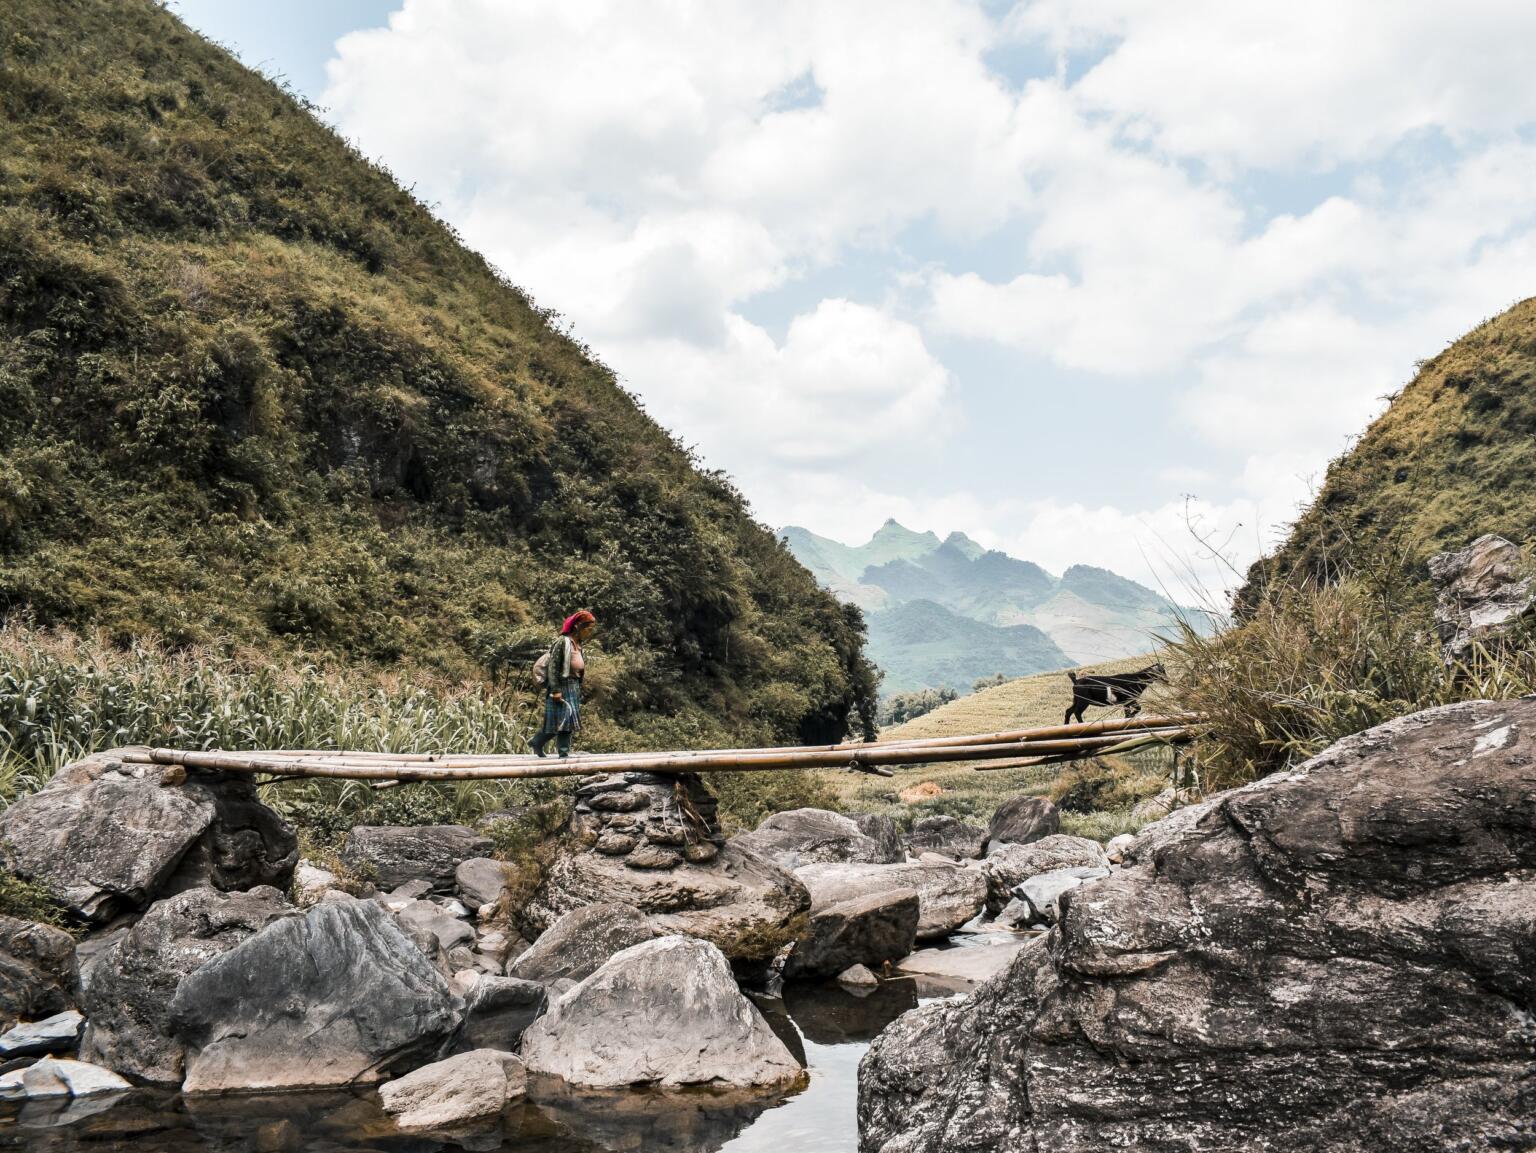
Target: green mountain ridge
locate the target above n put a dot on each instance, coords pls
(254, 396)
(921, 644)
(1088, 614)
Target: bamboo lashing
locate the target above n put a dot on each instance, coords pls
(1050, 741)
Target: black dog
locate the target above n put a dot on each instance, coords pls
(1103, 690)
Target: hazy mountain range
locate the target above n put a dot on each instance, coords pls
(947, 612)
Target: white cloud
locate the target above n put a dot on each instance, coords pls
(1312, 82)
(848, 381)
(652, 170)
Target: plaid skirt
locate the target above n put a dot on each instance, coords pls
(563, 716)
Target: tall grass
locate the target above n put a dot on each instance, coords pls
(64, 696)
(1313, 662)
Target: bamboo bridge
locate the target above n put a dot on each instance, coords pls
(1017, 748)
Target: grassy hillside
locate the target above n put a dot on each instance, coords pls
(254, 397)
(959, 790)
(1453, 457)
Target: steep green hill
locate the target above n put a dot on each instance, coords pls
(1454, 456)
(920, 644)
(254, 396)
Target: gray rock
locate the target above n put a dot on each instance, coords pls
(1007, 865)
(1337, 957)
(940, 972)
(412, 890)
(390, 855)
(310, 883)
(858, 977)
(55, 1078)
(104, 836)
(651, 856)
(947, 836)
(497, 1010)
(424, 916)
(1016, 914)
(667, 1013)
(329, 998)
(578, 944)
(746, 906)
(1044, 890)
(481, 880)
(127, 1001)
(884, 832)
(816, 836)
(1482, 593)
(56, 1034)
(1022, 819)
(948, 895)
(245, 845)
(1115, 848)
(37, 969)
(866, 930)
(470, 1087)
(452, 906)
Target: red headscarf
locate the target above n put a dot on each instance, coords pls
(575, 621)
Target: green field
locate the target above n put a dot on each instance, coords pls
(966, 792)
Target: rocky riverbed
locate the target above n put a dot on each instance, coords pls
(1333, 953)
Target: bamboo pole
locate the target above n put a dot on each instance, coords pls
(1087, 728)
(747, 760)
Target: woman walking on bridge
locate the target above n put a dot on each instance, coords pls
(559, 673)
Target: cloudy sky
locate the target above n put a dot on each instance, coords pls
(1061, 275)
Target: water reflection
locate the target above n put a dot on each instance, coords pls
(829, 1026)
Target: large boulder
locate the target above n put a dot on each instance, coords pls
(56, 1034)
(329, 998)
(816, 836)
(54, 1078)
(578, 944)
(497, 1011)
(667, 1013)
(746, 906)
(105, 836)
(1008, 866)
(864, 931)
(885, 832)
(1341, 957)
(1020, 820)
(946, 836)
(1483, 592)
(1043, 892)
(481, 880)
(128, 998)
(470, 1087)
(37, 970)
(391, 855)
(948, 895)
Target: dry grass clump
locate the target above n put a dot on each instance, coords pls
(1313, 662)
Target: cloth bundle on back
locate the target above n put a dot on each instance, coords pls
(560, 672)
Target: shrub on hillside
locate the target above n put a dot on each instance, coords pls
(903, 707)
(1313, 662)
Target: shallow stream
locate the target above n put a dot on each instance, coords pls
(831, 1027)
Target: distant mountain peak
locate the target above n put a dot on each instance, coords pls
(909, 583)
(964, 544)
